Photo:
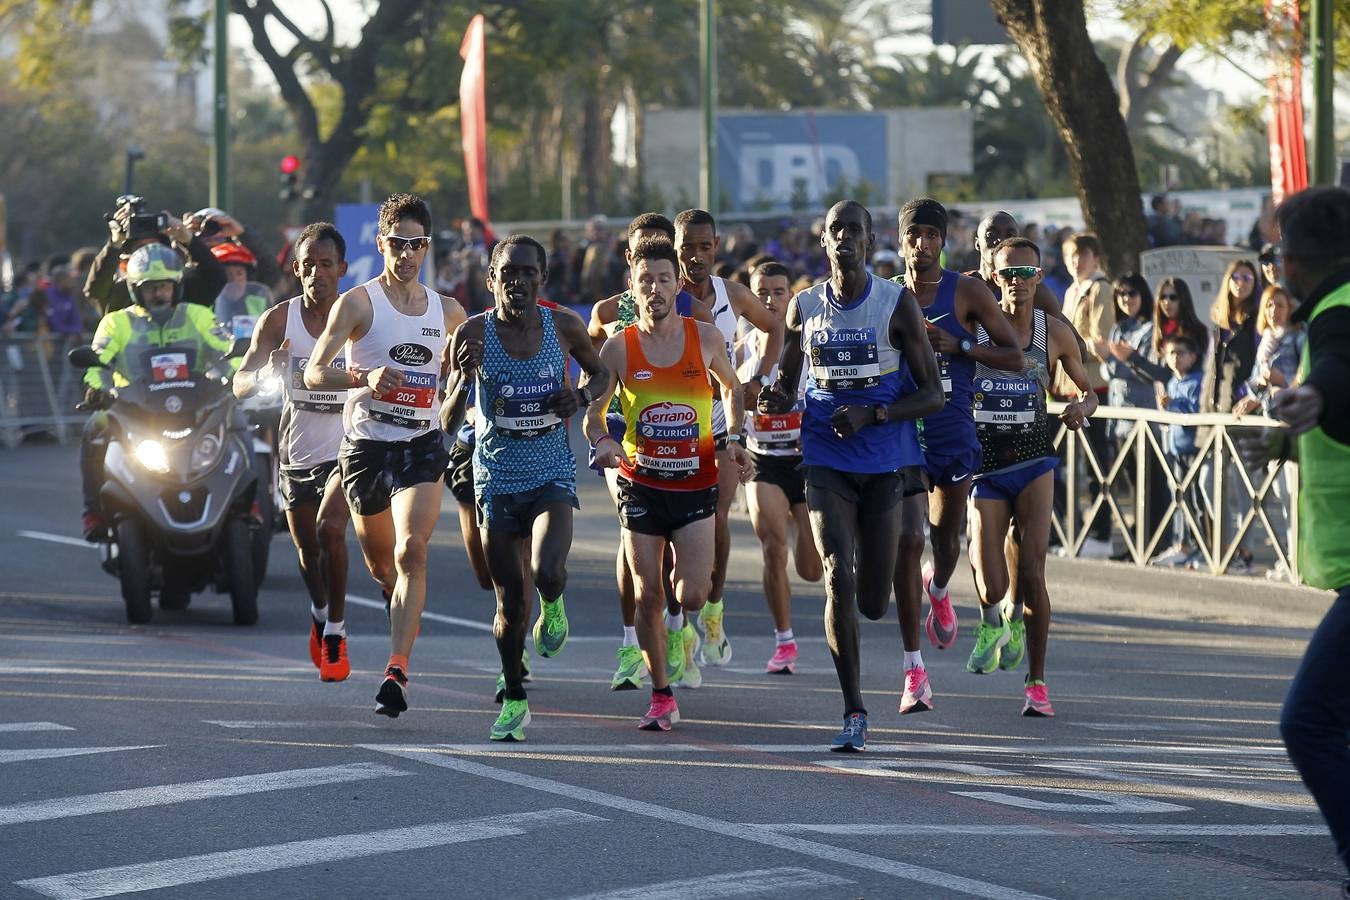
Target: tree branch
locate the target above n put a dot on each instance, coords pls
(283, 70)
(321, 51)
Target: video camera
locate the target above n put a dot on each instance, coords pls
(140, 224)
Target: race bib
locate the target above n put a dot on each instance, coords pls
(518, 409)
(667, 441)
(845, 359)
(168, 367)
(1009, 404)
(409, 404)
(945, 373)
(303, 398)
(776, 432)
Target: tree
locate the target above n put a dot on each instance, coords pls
(1082, 102)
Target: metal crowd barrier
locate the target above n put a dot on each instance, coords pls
(38, 388)
(1216, 452)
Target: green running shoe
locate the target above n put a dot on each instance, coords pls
(716, 647)
(628, 677)
(511, 722)
(1016, 649)
(989, 640)
(674, 655)
(525, 664)
(550, 629)
(500, 695)
(692, 678)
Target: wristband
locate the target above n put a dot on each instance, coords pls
(735, 437)
(596, 445)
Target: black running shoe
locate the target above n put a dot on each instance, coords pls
(393, 696)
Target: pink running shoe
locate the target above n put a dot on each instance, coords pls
(918, 695)
(784, 661)
(941, 621)
(1038, 701)
(661, 715)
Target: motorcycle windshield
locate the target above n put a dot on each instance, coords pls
(238, 306)
(172, 405)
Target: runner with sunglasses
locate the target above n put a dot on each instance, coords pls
(392, 459)
(1014, 487)
(953, 305)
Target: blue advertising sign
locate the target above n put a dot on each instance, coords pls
(359, 224)
(766, 161)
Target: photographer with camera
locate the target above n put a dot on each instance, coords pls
(215, 226)
(131, 227)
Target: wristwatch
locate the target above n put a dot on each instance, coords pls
(881, 414)
(735, 437)
(584, 393)
(967, 345)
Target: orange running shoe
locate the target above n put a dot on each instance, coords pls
(316, 643)
(334, 666)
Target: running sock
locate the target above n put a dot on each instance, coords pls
(674, 623)
(665, 690)
(1018, 608)
(630, 636)
(937, 591)
(991, 615)
(320, 613)
(913, 658)
(784, 637)
(397, 661)
(335, 626)
(712, 606)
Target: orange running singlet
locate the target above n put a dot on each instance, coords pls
(668, 414)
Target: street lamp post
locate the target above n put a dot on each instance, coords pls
(708, 149)
(220, 144)
(1323, 168)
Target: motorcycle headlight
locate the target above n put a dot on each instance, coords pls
(269, 387)
(151, 456)
(206, 451)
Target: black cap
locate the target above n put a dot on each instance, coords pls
(1315, 224)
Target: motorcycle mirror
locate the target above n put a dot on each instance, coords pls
(85, 358)
(238, 347)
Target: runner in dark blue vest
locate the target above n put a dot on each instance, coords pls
(866, 348)
(953, 305)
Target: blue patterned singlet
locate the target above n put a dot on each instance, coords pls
(521, 446)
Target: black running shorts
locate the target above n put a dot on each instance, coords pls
(374, 471)
(873, 494)
(783, 472)
(303, 485)
(646, 510)
(459, 474)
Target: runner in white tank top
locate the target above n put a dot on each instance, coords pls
(697, 244)
(310, 437)
(393, 456)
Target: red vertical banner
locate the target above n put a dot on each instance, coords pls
(1288, 151)
(473, 117)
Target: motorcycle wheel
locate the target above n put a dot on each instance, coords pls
(238, 557)
(133, 570)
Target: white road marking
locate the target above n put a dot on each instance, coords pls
(1106, 802)
(164, 794)
(57, 539)
(588, 749)
(756, 882)
(1217, 795)
(874, 749)
(1020, 831)
(435, 617)
(238, 724)
(629, 806)
(907, 768)
(32, 753)
(169, 873)
(33, 726)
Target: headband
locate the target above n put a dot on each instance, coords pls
(924, 212)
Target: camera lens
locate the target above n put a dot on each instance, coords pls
(211, 227)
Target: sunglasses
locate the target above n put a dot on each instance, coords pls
(399, 244)
(1242, 276)
(1127, 293)
(1167, 298)
(1026, 273)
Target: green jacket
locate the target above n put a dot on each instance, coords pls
(138, 349)
(1324, 489)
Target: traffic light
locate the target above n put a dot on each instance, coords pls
(290, 177)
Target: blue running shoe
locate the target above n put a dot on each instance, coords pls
(853, 739)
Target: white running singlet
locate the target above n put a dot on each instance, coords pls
(311, 421)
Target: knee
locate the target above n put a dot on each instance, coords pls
(551, 580)
(809, 567)
(693, 594)
(1031, 582)
(650, 599)
(775, 550)
(873, 602)
(911, 544)
(332, 534)
(411, 554)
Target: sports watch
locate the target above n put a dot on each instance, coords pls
(967, 345)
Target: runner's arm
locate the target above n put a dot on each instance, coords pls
(981, 307)
(614, 358)
(908, 332)
(719, 364)
(267, 339)
(352, 311)
(459, 381)
(745, 303)
(792, 358)
(577, 341)
(1067, 362)
(602, 314)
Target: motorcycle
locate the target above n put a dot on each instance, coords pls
(178, 492)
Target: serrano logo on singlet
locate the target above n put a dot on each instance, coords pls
(668, 421)
(410, 354)
(641, 375)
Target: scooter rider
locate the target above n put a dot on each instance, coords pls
(157, 337)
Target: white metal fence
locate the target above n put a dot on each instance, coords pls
(38, 388)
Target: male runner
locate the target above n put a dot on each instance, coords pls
(864, 339)
(668, 476)
(309, 439)
(608, 317)
(698, 245)
(392, 459)
(777, 490)
(954, 305)
(524, 472)
(1015, 482)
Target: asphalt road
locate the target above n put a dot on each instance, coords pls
(194, 758)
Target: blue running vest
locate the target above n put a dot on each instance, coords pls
(1009, 407)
